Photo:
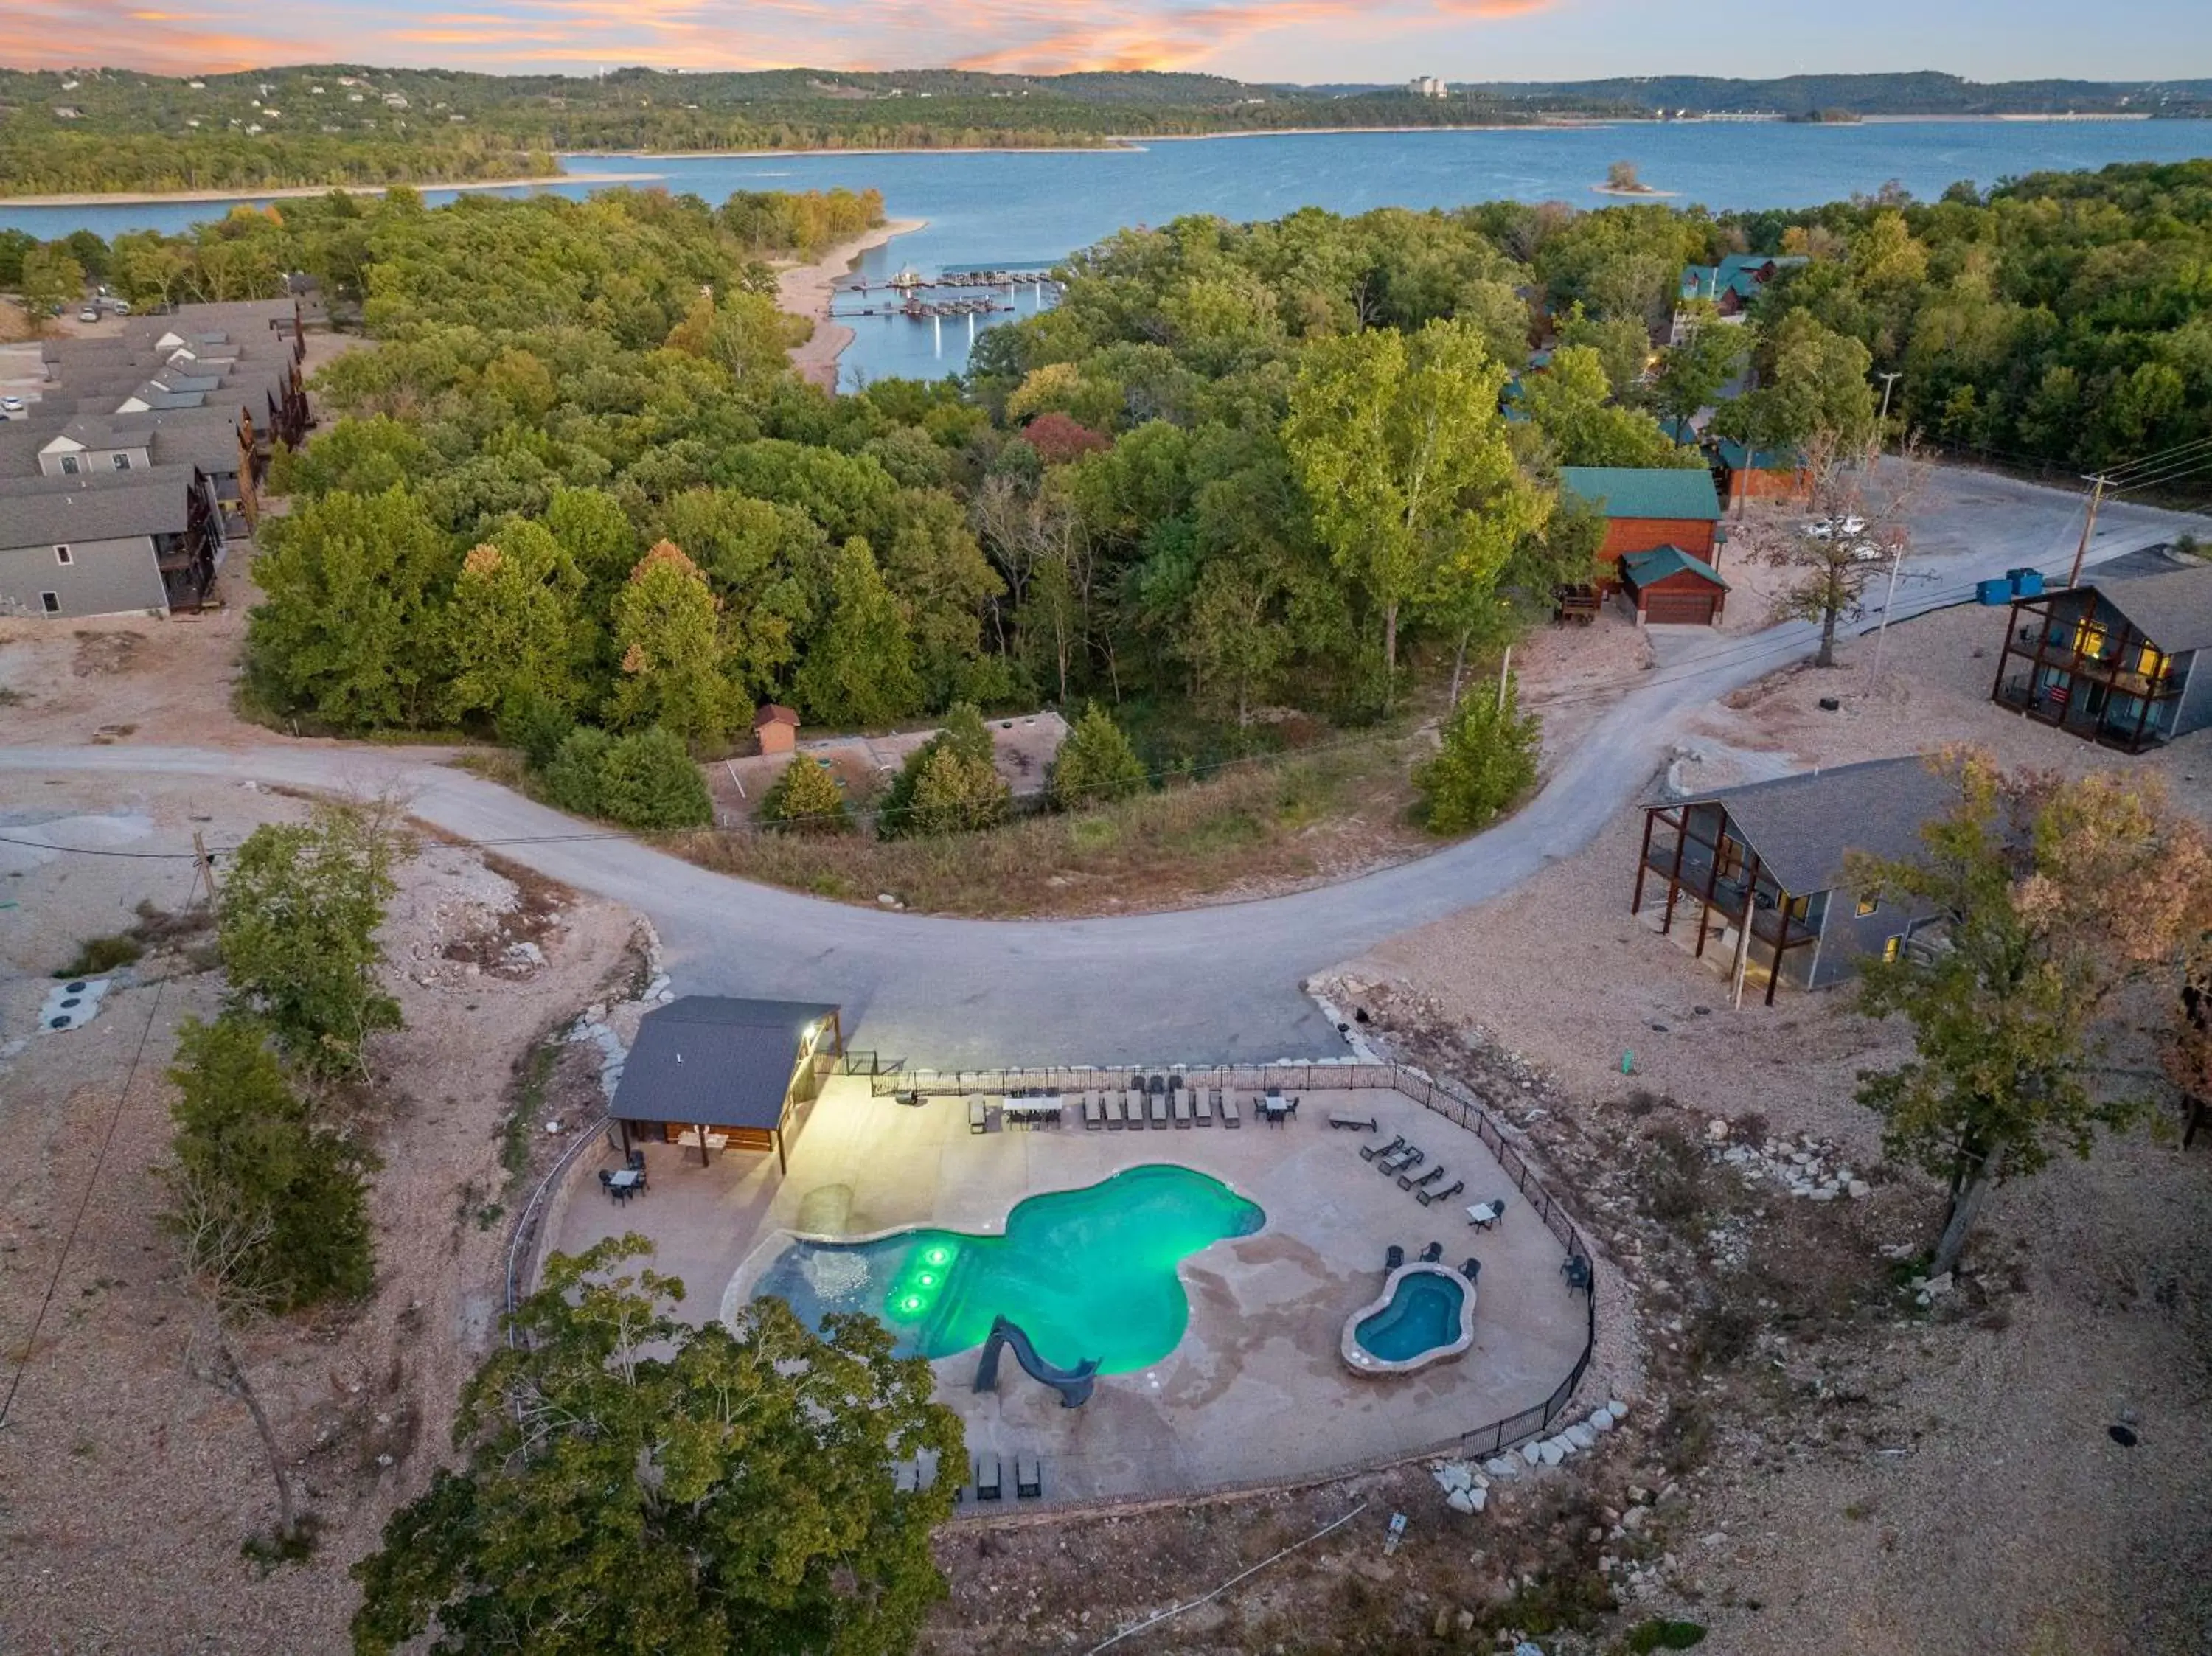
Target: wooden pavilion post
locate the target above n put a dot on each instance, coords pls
(1643, 862)
(1674, 875)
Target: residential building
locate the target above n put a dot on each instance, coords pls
(1755, 881)
(2124, 659)
(1667, 587)
(73, 547)
(723, 1074)
(1729, 286)
(1646, 507)
(1747, 474)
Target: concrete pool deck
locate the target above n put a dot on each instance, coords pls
(1257, 1391)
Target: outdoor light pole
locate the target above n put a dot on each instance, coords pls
(1881, 420)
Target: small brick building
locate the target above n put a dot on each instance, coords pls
(775, 728)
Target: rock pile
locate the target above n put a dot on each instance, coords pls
(595, 1023)
(1810, 1169)
(1467, 1489)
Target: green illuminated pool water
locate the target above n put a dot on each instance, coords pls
(1086, 1273)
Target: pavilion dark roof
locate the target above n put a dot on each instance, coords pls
(710, 1058)
(1802, 826)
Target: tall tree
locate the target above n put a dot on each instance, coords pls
(1398, 445)
(1095, 763)
(2058, 894)
(668, 630)
(633, 1483)
(516, 631)
(1832, 564)
(860, 667)
(297, 926)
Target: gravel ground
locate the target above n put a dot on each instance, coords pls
(126, 1486)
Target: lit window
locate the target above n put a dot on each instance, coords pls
(1894, 948)
(1868, 905)
(51, 603)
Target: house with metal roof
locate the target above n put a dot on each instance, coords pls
(1746, 473)
(1731, 285)
(1668, 587)
(718, 1073)
(1755, 881)
(2124, 660)
(1648, 507)
(72, 547)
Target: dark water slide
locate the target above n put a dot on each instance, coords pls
(1074, 1385)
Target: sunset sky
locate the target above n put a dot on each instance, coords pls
(1304, 40)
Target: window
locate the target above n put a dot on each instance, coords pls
(1894, 948)
(51, 603)
(120, 460)
(69, 465)
(1868, 905)
(63, 555)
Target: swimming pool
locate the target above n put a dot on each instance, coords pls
(1086, 1273)
(1425, 1313)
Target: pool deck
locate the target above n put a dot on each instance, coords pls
(1257, 1391)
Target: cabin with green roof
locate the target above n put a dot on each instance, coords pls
(1646, 507)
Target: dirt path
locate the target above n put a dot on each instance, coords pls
(805, 289)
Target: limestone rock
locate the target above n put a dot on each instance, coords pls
(1503, 1466)
(1618, 1409)
(1531, 1453)
(1581, 1436)
(1859, 1190)
(1550, 1452)
(1460, 1501)
(1602, 1420)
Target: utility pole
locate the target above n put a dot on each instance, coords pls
(1504, 668)
(1881, 420)
(203, 869)
(1896, 562)
(2088, 527)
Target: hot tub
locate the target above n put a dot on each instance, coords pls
(1424, 1315)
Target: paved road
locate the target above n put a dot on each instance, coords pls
(1201, 984)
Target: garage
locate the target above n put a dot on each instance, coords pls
(1670, 588)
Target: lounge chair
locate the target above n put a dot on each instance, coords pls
(1370, 1152)
(1029, 1477)
(1202, 1107)
(1111, 1107)
(1411, 1156)
(988, 1475)
(1472, 1269)
(1156, 1105)
(1229, 1115)
(1407, 1181)
(1432, 1253)
(1179, 1104)
(1394, 1257)
(979, 1114)
(1353, 1122)
(1094, 1113)
(1429, 1197)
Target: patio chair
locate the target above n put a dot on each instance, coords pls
(1029, 1477)
(607, 1184)
(1407, 1181)
(1338, 1119)
(988, 1486)
(1157, 1106)
(1179, 1104)
(1411, 1156)
(1112, 1108)
(1371, 1152)
(636, 1160)
(1432, 1253)
(1576, 1270)
(1472, 1269)
(1157, 1086)
(1229, 1118)
(1202, 1107)
(1429, 1198)
(979, 1114)
(1394, 1257)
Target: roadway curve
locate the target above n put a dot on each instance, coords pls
(1211, 984)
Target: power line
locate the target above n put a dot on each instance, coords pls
(2159, 458)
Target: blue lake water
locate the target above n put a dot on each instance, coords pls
(999, 209)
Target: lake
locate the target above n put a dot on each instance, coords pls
(1000, 210)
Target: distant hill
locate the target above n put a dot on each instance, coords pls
(1924, 93)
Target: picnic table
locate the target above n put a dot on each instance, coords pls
(1484, 1215)
(1277, 1109)
(627, 1179)
(1031, 1112)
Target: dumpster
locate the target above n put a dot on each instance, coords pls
(1993, 592)
(2026, 583)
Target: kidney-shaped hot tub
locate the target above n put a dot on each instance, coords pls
(1425, 1313)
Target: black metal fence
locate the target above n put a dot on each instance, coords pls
(1480, 1442)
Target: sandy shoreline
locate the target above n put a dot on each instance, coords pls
(297, 191)
(805, 289)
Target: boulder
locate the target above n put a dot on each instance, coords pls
(1454, 1475)
(1550, 1452)
(1618, 1409)
(1503, 1466)
(1581, 1436)
(1460, 1501)
(1860, 1189)
(1477, 1500)
(1531, 1453)
(1717, 1131)
(1602, 1420)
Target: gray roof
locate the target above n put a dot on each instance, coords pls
(2170, 605)
(709, 1059)
(55, 511)
(1802, 826)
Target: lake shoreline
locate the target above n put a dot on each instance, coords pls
(301, 191)
(805, 290)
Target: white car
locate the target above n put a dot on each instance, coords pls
(1821, 529)
(120, 306)
(12, 405)
(1867, 552)
(88, 314)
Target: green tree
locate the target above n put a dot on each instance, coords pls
(1622, 345)
(1095, 763)
(2053, 896)
(1691, 373)
(667, 628)
(1231, 636)
(51, 280)
(1486, 761)
(957, 792)
(806, 799)
(349, 627)
(632, 1483)
(249, 1155)
(648, 780)
(965, 733)
(1571, 403)
(296, 927)
(859, 668)
(514, 624)
(1400, 447)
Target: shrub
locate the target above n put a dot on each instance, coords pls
(572, 779)
(1095, 763)
(964, 733)
(959, 794)
(97, 954)
(648, 781)
(537, 726)
(806, 799)
(1488, 760)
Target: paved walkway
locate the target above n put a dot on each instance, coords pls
(1202, 985)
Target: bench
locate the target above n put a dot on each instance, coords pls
(1354, 1123)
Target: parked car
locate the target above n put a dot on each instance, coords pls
(10, 406)
(88, 314)
(120, 306)
(1867, 552)
(1821, 529)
